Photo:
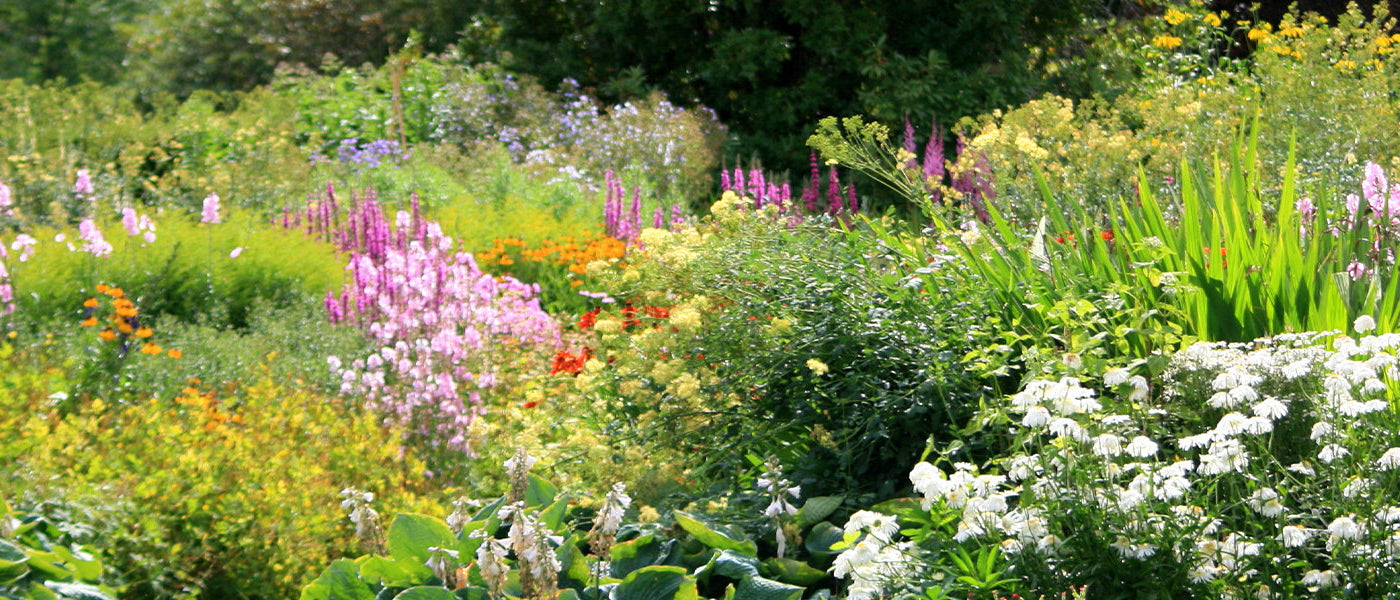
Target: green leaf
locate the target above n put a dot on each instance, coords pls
(644, 551)
(823, 536)
(78, 591)
(12, 562)
(714, 538)
(425, 592)
(792, 571)
(384, 571)
(410, 536)
(49, 563)
(539, 492)
(759, 588)
(731, 564)
(576, 569)
(340, 581)
(553, 516)
(816, 509)
(656, 583)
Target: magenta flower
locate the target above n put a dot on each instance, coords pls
(92, 239)
(211, 209)
(83, 185)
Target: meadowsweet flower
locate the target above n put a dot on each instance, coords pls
(817, 367)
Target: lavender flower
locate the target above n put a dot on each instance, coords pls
(83, 186)
(210, 213)
(92, 237)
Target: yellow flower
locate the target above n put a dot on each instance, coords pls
(1293, 31)
(1211, 19)
(817, 366)
(1167, 42)
(1258, 34)
(1174, 17)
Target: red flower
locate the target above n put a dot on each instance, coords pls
(629, 316)
(566, 362)
(657, 312)
(1107, 235)
(589, 318)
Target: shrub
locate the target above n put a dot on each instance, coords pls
(207, 493)
(731, 345)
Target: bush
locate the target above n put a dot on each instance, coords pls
(808, 341)
(213, 492)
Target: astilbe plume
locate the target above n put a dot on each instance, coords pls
(437, 319)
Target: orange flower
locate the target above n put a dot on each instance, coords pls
(90, 303)
(115, 292)
(124, 328)
(150, 348)
(175, 353)
(107, 334)
(102, 288)
(90, 322)
(144, 332)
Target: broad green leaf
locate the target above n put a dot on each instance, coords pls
(553, 516)
(425, 592)
(576, 569)
(656, 583)
(759, 588)
(644, 551)
(12, 562)
(340, 581)
(731, 564)
(384, 571)
(539, 492)
(714, 538)
(78, 591)
(481, 593)
(792, 571)
(822, 537)
(85, 567)
(50, 564)
(410, 536)
(816, 509)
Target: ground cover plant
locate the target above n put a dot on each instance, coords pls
(429, 329)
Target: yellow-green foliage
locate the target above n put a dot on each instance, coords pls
(1328, 87)
(176, 153)
(478, 224)
(186, 273)
(234, 495)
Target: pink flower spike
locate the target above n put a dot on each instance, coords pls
(130, 222)
(1374, 187)
(83, 185)
(211, 209)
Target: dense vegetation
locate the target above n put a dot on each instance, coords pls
(481, 308)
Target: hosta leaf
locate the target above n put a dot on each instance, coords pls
(712, 537)
(656, 583)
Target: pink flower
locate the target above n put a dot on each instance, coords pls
(83, 186)
(211, 209)
(1374, 188)
(92, 238)
(130, 222)
(236, 252)
(1357, 270)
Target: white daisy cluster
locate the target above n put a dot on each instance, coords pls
(1155, 487)
(873, 560)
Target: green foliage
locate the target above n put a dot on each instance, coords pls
(171, 154)
(812, 342)
(219, 492)
(186, 274)
(45, 553)
(769, 69)
(68, 39)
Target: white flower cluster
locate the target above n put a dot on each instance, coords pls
(872, 559)
(1156, 487)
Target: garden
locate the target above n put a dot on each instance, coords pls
(438, 327)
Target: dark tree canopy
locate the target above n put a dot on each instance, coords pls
(772, 69)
